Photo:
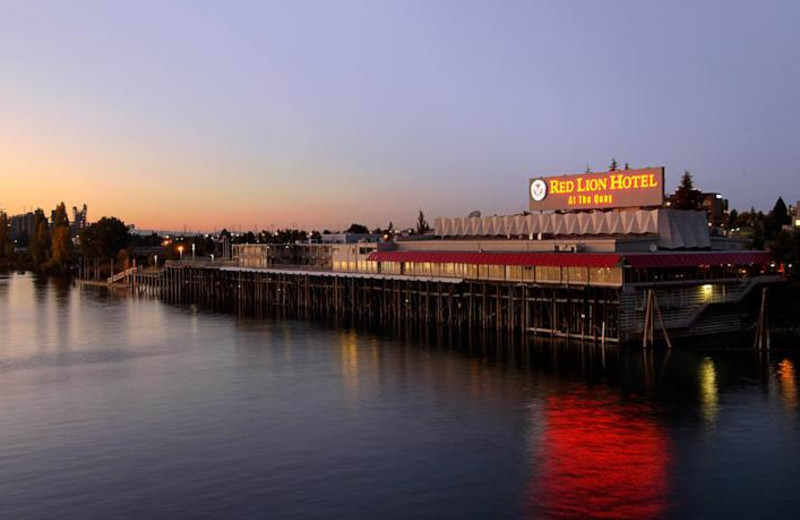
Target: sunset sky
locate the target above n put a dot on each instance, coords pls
(318, 114)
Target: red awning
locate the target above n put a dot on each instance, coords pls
(478, 258)
(656, 260)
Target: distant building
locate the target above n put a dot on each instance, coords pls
(716, 208)
(794, 213)
(22, 225)
(350, 238)
(78, 220)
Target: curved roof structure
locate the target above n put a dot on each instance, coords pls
(675, 229)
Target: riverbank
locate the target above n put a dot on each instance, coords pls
(25, 263)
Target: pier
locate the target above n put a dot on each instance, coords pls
(604, 313)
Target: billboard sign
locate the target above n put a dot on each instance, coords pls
(617, 189)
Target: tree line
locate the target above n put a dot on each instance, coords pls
(49, 248)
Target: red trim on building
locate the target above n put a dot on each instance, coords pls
(637, 260)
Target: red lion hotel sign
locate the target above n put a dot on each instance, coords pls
(618, 189)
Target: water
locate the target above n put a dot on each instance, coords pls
(121, 407)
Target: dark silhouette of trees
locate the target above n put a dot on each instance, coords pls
(151, 240)
(6, 244)
(733, 219)
(422, 224)
(61, 242)
(786, 249)
(614, 166)
(687, 196)
(776, 219)
(358, 229)
(105, 238)
(282, 236)
(39, 247)
(781, 213)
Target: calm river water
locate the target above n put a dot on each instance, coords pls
(123, 407)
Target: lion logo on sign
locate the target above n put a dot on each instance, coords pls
(538, 190)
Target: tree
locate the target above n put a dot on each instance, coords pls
(733, 219)
(613, 166)
(786, 249)
(781, 213)
(6, 244)
(358, 229)
(40, 242)
(422, 224)
(105, 238)
(61, 242)
(588, 169)
(687, 196)
(776, 219)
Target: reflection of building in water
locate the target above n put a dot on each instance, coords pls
(709, 398)
(600, 458)
(788, 382)
(349, 349)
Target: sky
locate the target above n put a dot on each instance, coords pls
(316, 114)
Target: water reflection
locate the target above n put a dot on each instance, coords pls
(350, 361)
(709, 397)
(788, 383)
(599, 457)
(211, 415)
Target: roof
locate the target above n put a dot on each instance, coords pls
(673, 229)
(637, 260)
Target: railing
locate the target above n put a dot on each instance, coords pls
(203, 261)
(682, 311)
(122, 275)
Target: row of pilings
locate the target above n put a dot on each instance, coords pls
(590, 313)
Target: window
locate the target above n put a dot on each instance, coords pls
(548, 274)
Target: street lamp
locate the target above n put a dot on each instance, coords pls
(180, 252)
(193, 251)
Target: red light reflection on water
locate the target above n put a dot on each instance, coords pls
(599, 458)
